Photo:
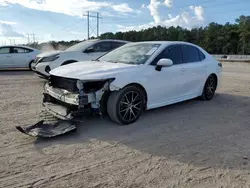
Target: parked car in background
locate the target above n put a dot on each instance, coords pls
(83, 51)
(17, 56)
(131, 79)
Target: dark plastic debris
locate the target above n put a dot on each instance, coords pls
(45, 130)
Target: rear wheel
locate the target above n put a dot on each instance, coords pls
(126, 106)
(209, 88)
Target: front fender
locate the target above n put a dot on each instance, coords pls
(118, 84)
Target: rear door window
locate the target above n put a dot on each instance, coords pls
(21, 50)
(202, 56)
(115, 45)
(190, 54)
(102, 47)
(4, 50)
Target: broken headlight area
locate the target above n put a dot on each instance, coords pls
(76, 95)
(68, 101)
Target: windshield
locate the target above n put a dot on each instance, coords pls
(80, 46)
(135, 53)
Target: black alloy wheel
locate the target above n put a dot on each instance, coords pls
(209, 88)
(126, 106)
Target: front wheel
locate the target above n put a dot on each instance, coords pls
(30, 64)
(209, 88)
(126, 106)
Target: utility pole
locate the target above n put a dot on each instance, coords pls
(244, 45)
(28, 38)
(34, 37)
(97, 25)
(88, 24)
(97, 17)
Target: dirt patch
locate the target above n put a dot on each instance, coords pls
(191, 144)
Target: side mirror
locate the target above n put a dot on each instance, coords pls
(89, 50)
(163, 63)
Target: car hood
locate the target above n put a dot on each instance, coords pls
(93, 70)
(47, 54)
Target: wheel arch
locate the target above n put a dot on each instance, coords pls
(141, 87)
(216, 77)
(107, 93)
(30, 62)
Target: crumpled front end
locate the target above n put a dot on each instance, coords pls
(68, 99)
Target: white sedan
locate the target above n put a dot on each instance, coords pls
(131, 79)
(83, 51)
(17, 56)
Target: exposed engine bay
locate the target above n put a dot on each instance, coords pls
(68, 100)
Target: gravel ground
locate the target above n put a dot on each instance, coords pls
(192, 144)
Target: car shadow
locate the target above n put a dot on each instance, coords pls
(212, 133)
(16, 72)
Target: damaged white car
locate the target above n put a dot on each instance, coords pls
(132, 79)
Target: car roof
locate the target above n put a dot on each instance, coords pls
(113, 40)
(20, 46)
(167, 42)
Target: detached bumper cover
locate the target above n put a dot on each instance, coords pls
(44, 130)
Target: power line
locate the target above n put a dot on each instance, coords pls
(89, 27)
(111, 20)
(68, 26)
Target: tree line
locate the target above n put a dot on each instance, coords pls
(230, 38)
(215, 38)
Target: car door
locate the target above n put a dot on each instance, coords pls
(167, 84)
(196, 69)
(21, 57)
(5, 57)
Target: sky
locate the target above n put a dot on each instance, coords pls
(65, 19)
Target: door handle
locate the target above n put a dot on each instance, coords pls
(184, 69)
(8, 56)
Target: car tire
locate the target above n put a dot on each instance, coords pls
(126, 105)
(30, 64)
(209, 88)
